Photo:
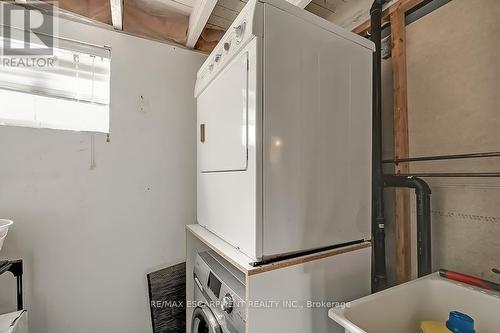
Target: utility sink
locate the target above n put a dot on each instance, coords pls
(401, 309)
(4, 228)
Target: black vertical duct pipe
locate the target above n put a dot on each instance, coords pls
(423, 193)
(422, 190)
(379, 274)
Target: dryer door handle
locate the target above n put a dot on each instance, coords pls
(202, 133)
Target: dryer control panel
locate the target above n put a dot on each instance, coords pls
(248, 24)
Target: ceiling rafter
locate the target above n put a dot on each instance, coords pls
(198, 19)
(117, 13)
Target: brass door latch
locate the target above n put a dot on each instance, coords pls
(202, 133)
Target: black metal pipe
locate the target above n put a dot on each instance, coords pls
(451, 174)
(423, 193)
(442, 157)
(379, 273)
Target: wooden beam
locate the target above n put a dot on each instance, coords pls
(401, 143)
(117, 13)
(299, 3)
(198, 19)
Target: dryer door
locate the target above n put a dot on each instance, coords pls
(223, 119)
(204, 321)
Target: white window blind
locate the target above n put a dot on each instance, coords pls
(72, 94)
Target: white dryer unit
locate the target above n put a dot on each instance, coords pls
(284, 139)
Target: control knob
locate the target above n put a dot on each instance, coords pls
(227, 303)
(227, 46)
(239, 30)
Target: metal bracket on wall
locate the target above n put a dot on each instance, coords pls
(16, 268)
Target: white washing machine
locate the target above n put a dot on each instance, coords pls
(284, 140)
(219, 294)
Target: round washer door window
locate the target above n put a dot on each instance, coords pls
(204, 321)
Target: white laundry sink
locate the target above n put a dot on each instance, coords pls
(4, 228)
(401, 309)
(14, 322)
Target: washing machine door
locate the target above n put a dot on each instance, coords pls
(204, 321)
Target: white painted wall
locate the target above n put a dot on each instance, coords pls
(88, 237)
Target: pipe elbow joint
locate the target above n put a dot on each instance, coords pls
(416, 183)
(421, 186)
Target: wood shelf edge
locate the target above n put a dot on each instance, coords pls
(242, 262)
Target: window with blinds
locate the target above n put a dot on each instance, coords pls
(69, 90)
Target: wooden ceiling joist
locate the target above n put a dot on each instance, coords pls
(198, 19)
(117, 13)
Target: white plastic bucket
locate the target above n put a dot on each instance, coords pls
(4, 228)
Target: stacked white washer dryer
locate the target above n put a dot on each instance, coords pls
(284, 140)
(284, 135)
